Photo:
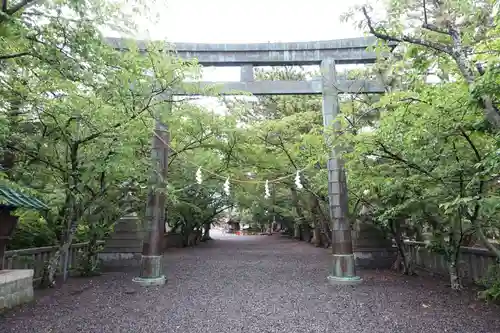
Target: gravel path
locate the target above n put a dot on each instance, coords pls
(251, 284)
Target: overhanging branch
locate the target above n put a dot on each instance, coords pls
(14, 55)
(405, 38)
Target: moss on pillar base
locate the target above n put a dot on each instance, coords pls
(343, 270)
(151, 272)
(149, 282)
(350, 281)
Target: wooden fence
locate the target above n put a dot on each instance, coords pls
(35, 258)
(474, 263)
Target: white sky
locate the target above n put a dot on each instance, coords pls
(247, 21)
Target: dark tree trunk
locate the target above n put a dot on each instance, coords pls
(206, 232)
(298, 210)
(404, 261)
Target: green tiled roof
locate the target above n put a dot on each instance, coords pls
(9, 197)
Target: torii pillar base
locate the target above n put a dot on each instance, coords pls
(151, 272)
(343, 271)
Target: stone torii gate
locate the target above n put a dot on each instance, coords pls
(326, 54)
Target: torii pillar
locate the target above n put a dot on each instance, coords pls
(151, 273)
(343, 260)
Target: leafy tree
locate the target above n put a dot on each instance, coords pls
(443, 36)
(77, 116)
(421, 167)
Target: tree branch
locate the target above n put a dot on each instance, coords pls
(14, 55)
(409, 164)
(430, 26)
(116, 125)
(471, 144)
(405, 38)
(282, 144)
(17, 7)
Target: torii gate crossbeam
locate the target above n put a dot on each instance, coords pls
(344, 51)
(312, 87)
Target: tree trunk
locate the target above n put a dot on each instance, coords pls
(316, 239)
(296, 230)
(50, 270)
(485, 242)
(87, 263)
(455, 239)
(191, 239)
(312, 203)
(185, 232)
(322, 221)
(298, 210)
(197, 236)
(404, 261)
(51, 266)
(206, 233)
(455, 281)
(466, 68)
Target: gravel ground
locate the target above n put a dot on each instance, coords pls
(252, 284)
